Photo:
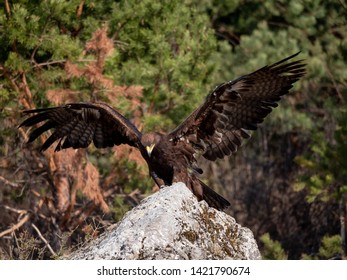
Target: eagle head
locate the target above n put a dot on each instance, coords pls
(150, 140)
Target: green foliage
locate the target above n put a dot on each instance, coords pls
(283, 121)
(119, 207)
(16, 63)
(325, 177)
(5, 97)
(162, 46)
(330, 248)
(272, 249)
(34, 35)
(326, 164)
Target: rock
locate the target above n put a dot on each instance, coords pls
(172, 224)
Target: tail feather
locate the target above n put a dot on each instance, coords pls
(213, 199)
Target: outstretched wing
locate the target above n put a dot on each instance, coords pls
(76, 125)
(218, 126)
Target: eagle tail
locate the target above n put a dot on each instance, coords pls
(213, 199)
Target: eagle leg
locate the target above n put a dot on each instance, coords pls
(160, 182)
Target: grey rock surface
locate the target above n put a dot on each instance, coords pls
(172, 224)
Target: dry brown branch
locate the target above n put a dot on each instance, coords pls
(69, 164)
(49, 63)
(8, 10)
(62, 61)
(24, 134)
(28, 97)
(36, 193)
(7, 182)
(83, 214)
(80, 9)
(101, 45)
(44, 240)
(61, 96)
(88, 182)
(91, 72)
(63, 165)
(18, 211)
(72, 70)
(32, 57)
(11, 79)
(95, 76)
(16, 226)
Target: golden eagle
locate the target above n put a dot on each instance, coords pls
(215, 129)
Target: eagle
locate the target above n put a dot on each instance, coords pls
(214, 130)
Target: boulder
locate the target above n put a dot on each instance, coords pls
(172, 224)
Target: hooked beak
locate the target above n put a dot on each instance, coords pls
(149, 149)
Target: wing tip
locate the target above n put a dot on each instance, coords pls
(298, 63)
